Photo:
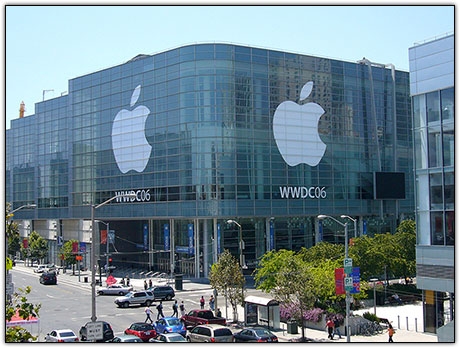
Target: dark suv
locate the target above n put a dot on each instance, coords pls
(107, 332)
(48, 278)
(163, 293)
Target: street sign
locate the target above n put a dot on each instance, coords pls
(348, 265)
(348, 283)
(348, 262)
(94, 330)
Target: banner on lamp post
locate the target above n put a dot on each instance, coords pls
(344, 282)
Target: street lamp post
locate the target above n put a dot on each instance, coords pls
(106, 245)
(27, 206)
(354, 223)
(347, 292)
(375, 307)
(93, 251)
(240, 241)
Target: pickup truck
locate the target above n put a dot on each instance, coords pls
(201, 316)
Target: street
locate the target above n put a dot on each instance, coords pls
(68, 304)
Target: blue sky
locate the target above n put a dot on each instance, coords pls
(48, 45)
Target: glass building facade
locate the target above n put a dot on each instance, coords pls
(432, 91)
(208, 133)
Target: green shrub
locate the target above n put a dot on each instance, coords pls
(370, 316)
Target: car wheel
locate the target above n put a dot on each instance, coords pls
(100, 292)
(121, 293)
(126, 304)
(168, 298)
(147, 303)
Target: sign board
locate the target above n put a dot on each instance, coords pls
(341, 278)
(348, 265)
(348, 262)
(94, 330)
(348, 283)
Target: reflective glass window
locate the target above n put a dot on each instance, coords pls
(433, 107)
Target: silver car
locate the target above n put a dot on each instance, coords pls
(168, 337)
(115, 289)
(142, 298)
(63, 335)
(210, 333)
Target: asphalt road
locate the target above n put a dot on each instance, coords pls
(68, 304)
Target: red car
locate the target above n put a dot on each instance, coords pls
(144, 331)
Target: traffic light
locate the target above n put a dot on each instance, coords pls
(109, 268)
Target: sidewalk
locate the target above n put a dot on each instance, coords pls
(406, 331)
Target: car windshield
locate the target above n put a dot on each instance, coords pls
(129, 294)
(173, 321)
(145, 327)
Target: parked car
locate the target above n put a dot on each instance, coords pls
(114, 289)
(142, 298)
(163, 293)
(168, 337)
(123, 338)
(62, 335)
(48, 278)
(201, 316)
(170, 324)
(210, 333)
(144, 331)
(106, 331)
(255, 334)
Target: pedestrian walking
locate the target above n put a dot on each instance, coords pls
(148, 311)
(336, 327)
(122, 281)
(145, 284)
(330, 328)
(391, 332)
(182, 309)
(202, 301)
(211, 302)
(150, 283)
(160, 311)
(175, 313)
(219, 313)
(127, 281)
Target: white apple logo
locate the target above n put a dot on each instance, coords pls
(295, 128)
(130, 147)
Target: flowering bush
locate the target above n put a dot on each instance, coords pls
(291, 311)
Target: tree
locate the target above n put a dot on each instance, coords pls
(25, 309)
(226, 276)
(294, 287)
(67, 253)
(386, 253)
(265, 275)
(38, 248)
